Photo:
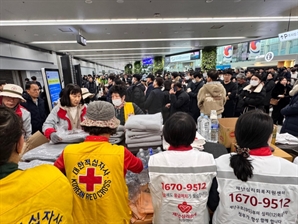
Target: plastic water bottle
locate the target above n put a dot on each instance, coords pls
(151, 152)
(141, 153)
(214, 127)
(205, 124)
(144, 175)
(157, 150)
(199, 123)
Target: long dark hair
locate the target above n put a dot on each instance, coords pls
(11, 130)
(252, 131)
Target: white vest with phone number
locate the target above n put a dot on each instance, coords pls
(270, 196)
(179, 184)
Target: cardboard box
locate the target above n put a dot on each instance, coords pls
(226, 135)
(35, 140)
(147, 220)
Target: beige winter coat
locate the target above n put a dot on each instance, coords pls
(212, 96)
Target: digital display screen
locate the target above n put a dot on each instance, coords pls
(147, 61)
(53, 81)
(195, 55)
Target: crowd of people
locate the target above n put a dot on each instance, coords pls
(184, 182)
(230, 92)
(186, 185)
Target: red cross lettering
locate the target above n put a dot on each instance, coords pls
(90, 179)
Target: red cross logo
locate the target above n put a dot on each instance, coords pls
(90, 179)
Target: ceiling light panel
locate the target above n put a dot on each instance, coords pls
(139, 40)
(123, 49)
(146, 21)
(96, 55)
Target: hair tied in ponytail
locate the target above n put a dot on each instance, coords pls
(242, 151)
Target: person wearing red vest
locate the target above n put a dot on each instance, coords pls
(38, 195)
(96, 170)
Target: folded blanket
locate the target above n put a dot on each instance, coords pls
(116, 140)
(141, 134)
(118, 134)
(144, 144)
(120, 128)
(47, 151)
(145, 122)
(144, 130)
(140, 140)
(286, 138)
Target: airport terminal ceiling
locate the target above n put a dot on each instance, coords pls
(121, 31)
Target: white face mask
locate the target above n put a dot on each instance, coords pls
(194, 81)
(254, 82)
(186, 77)
(117, 102)
(221, 77)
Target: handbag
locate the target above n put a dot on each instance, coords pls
(274, 102)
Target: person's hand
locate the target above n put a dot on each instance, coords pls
(168, 105)
(281, 96)
(188, 90)
(172, 91)
(55, 138)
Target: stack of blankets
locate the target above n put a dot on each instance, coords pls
(143, 131)
(119, 136)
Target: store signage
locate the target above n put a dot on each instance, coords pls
(254, 49)
(181, 57)
(228, 52)
(290, 35)
(269, 56)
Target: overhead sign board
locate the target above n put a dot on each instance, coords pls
(290, 35)
(181, 57)
(185, 57)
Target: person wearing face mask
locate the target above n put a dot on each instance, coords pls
(254, 94)
(67, 114)
(197, 84)
(123, 109)
(189, 80)
(280, 92)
